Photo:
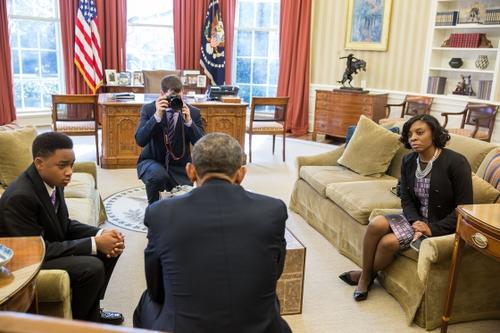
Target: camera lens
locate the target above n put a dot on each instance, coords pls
(175, 102)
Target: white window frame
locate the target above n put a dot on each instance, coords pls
(148, 25)
(270, 30)
(21, 111)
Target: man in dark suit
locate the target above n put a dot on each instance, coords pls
(167, 128)
(34, 205)
(214, 254)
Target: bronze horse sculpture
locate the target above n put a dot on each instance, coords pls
(352, 68)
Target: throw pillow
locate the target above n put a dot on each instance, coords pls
(370, 149)
(492, 171)
(15, 152)
(351, 129)
(483, 192)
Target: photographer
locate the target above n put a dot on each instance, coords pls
(166, 129)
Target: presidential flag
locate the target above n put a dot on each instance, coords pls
(212, 45)
(88, 44)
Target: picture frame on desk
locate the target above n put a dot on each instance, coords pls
(137, 78)
(111, 77)
(190, 77)
(124, 78)
(368, 24)
(201, 81)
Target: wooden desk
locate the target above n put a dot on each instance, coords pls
(336, 110)
(18, 277)
(121, 117)
(479, 227)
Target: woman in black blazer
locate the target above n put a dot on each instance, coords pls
(434, 181)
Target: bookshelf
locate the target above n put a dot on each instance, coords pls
(439, 55)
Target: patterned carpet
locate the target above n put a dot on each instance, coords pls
(126, 208)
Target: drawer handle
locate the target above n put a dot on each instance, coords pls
(480, 240)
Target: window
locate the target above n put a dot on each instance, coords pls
(256, 48)
(150, 35)
(36, 53)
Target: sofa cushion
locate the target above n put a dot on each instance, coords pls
(359, 198)
(82, 185)
(15, 152)
(483, 192)
(394, 169)
(83, 210)
(351, 129)
(489, 169)
(474, 150)
(371, 149)
(319, 177)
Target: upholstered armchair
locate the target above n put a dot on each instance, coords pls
(480, 119)
(275, 125)
(152, 79)
(411, 106)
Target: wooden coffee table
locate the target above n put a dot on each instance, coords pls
(290, 286)
(18, 277)
(479, 227)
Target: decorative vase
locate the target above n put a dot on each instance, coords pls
(482, 62)
(455, 62)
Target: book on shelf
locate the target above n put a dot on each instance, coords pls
(436, 84)
(446, 18)
(464, 40)
(484, 89)
(492, 16)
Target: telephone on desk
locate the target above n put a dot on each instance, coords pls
(214, 93)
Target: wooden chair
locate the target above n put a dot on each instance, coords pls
(268, 126)
(152, 79)
(478, 115)
(76, 115)
(411, 106)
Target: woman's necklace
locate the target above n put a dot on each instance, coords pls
(419, 173)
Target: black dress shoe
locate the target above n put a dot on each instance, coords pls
(110, 317)
(346, 277)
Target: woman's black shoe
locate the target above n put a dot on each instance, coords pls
(363, 295)
(360, 295)
(346, 277)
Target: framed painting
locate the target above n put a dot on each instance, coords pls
(368, 23)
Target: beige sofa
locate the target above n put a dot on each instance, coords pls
(338, 203)
(82, 198)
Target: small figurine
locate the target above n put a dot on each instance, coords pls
(474, 15)
(464, 87)
(353, 64)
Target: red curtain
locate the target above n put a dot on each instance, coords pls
(189, 16)
(7, 107)
(112, 20)
(75, 84)
(188, 22)
(228, 9)
(293, 79)
(112, 16)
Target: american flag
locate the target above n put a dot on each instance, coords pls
(88, 45)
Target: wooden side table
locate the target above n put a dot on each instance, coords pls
(479, 227)
(18, 277)
(290, 286)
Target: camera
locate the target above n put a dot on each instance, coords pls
(175, 102)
